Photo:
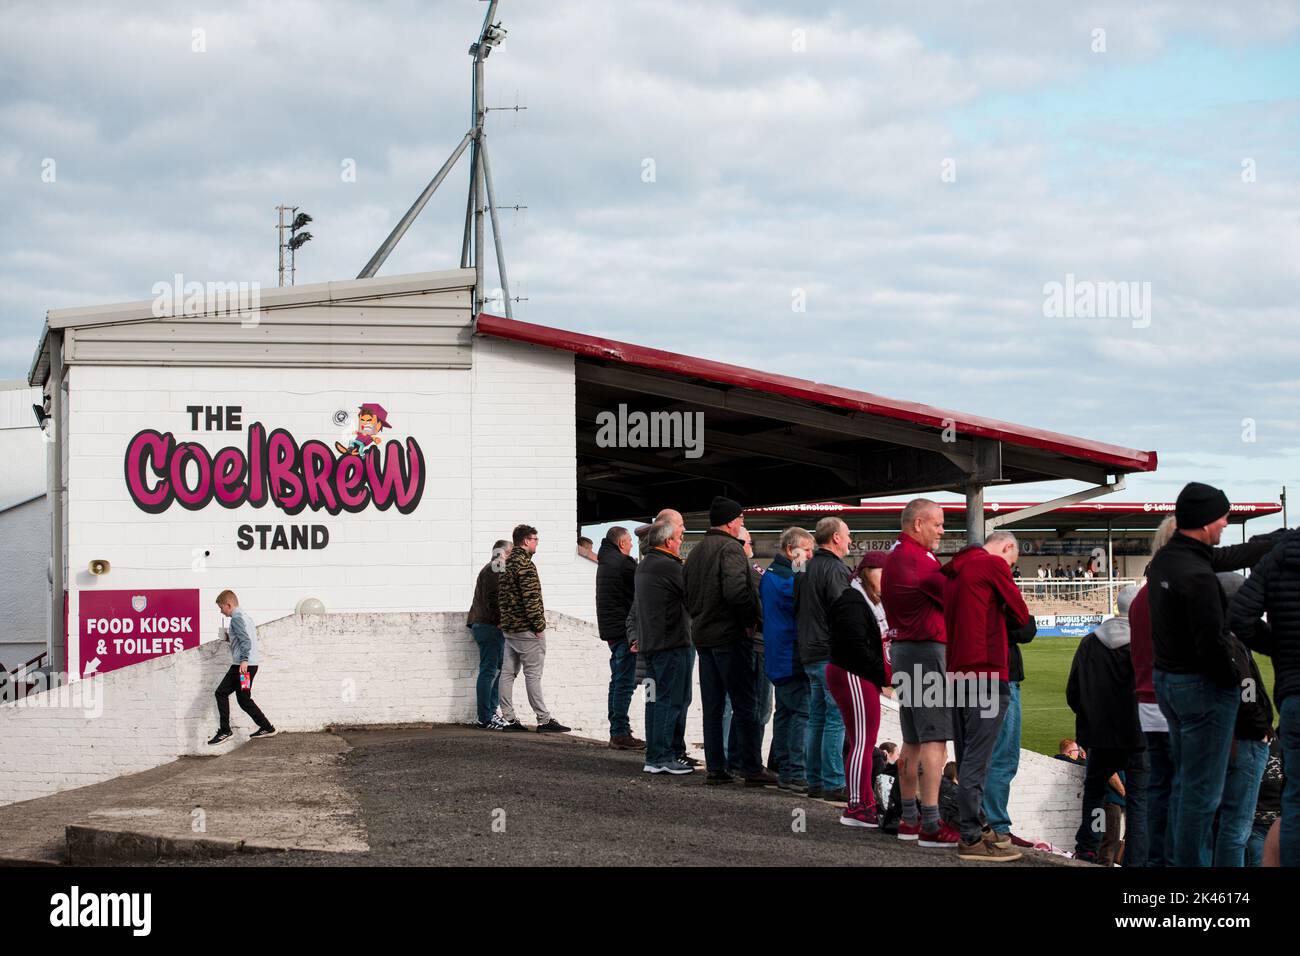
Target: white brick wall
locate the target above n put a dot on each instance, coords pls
(365, 669)
(498, 444)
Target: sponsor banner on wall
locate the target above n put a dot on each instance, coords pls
(118, 628)
(1067, 625)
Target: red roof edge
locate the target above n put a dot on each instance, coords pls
(590, 346)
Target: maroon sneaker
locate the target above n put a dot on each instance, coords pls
(909, 831)
(860, 816)
(1021, 842)
(944, 838)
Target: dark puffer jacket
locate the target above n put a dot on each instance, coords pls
(1273, 588)
(720, 592)
(615, 588)
(1189, 611)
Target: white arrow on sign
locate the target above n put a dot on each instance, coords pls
(90, 667)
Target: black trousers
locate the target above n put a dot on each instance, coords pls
(230, 685)
(724, 670)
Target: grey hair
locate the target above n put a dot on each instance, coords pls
(997, 536)
(913, 510)
(791, 537)
(661, 532)
(826, 529)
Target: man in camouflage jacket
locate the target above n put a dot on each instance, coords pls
(523, 621)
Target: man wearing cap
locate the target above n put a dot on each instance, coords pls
(724, 608)
(1195, 674)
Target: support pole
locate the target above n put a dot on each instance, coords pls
(399, 230)
(496, 226)
(480, 193)
(974, 514)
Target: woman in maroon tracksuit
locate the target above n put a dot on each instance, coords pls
(855, 674)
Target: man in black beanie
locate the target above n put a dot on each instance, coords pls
(1195, 675)
(724, 607)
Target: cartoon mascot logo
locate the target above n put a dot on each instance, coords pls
(372, 419)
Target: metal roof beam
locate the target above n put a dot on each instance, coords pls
(1033, 511)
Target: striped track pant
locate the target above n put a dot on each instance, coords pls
(859, 703)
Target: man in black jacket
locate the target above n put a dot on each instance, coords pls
(615, 586)
(723, 607)
(1195, 676)
(484, 622)
(824, 579)
(1273, 588)
(1103, 696)
(664, 642)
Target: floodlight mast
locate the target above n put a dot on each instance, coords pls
(480, 180)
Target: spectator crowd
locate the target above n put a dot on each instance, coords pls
(1184, 751)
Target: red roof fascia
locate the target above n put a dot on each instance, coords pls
(1125, 459)
(1256, 508)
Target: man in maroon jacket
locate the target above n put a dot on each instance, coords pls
(911, 587)
(979, 597)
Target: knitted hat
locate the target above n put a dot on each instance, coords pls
(871, 559)
(723, 511)
(1199, 505)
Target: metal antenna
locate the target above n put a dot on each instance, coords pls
(480, 180)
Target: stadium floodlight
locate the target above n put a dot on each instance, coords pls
(299, 221)
(299, 240)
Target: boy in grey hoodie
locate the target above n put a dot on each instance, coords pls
(243, 656)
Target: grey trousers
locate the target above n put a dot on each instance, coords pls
(975, 732)
(527, 650)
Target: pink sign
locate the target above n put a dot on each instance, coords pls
(125, 627)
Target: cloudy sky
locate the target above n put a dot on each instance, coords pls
(915, 174)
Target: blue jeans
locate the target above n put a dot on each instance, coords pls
(1240, 794)
(664, 707)
(763, 711)
(1159, 786)
(1255, 843)
(790, 727)
(1103, 763)
(1289, 733)
(491, 646)
(679, 734)
(824, 743)
(1003, 765)
(1201, 717)
(622, 682)
(724, 670)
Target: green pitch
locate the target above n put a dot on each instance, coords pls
(1045, 716)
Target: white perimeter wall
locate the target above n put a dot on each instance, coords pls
(365, 669)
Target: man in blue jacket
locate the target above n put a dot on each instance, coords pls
(790, 725)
